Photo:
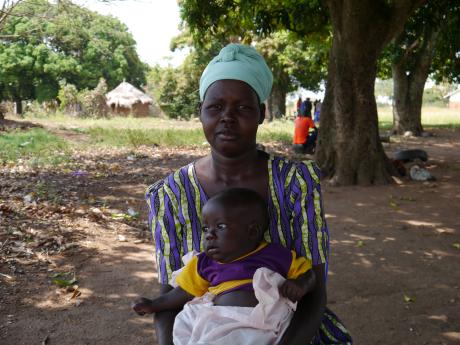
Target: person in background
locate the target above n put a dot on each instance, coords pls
(298, 104)
(305, 134)
(306, 107)
(317, 110)
(233, 89)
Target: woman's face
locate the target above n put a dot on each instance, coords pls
(230, 115)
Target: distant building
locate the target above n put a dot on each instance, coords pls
(454, 99)
(125, 99)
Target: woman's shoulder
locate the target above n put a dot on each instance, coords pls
(167, 182)
(301, 169)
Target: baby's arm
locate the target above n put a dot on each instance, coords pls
(173, 299)
(295, 289)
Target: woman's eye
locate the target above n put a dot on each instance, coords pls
(204, 228)
(214, 107)
(221, 226)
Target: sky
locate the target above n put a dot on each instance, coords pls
(153, 23)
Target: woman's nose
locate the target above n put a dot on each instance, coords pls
(228, 114)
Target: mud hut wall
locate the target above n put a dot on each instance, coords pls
(138, 110)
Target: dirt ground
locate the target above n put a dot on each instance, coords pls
(394, 272)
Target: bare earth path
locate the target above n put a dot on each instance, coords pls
(394, 269)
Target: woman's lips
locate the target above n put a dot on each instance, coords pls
(226, 135)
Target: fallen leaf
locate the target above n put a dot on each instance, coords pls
(408, 299)
(456, 245)
(359, 243)
(64, 282)
(76, 294)
(393, 204)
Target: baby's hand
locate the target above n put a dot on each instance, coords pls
(142, 306)
(293, 289)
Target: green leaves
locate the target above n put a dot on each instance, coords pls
(74, 44)
(408, 299)
(64, 279)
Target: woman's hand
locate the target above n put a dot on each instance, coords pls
(310, 310)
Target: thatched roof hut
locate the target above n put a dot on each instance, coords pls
(126, 99)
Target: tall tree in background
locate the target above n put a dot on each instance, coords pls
(294, 63)
(429, 44)
(43, 43)
(7, 6)
(350, 151)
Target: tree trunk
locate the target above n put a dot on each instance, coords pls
(409, 77)
(18, 107)
(349, 150)
(276, 103)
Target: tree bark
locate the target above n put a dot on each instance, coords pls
(349, 150)
(409, 77)
(276, 103)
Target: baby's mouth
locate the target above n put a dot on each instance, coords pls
(211, 250)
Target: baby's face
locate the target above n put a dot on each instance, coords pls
(225, 232)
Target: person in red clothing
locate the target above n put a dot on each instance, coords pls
(304, 141)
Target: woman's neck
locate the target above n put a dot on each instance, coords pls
(234, 168)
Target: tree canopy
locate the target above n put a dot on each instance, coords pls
(43, 43)
(428, 45)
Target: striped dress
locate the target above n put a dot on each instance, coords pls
(296, 222)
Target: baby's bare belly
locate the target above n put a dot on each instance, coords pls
(237, 299)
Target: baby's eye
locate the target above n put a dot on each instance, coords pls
(221, 226)
(204, 228)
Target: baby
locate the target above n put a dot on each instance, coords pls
(233, 223)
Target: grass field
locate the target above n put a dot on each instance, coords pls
(432, 117)
(41, 147)
(37, 147)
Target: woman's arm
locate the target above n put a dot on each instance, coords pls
(310, 310)
(164, 321)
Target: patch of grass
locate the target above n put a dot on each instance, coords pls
(120, 122)
(279, 130)
(136, 137)
(36, 147)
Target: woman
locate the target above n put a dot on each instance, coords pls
(233, 88)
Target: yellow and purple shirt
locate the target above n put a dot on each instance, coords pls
(203, 274)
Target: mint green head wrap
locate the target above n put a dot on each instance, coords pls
(239, 62)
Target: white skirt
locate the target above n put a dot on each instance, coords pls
(203, 323)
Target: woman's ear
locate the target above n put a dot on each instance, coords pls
(262, 113)
(200, 104)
